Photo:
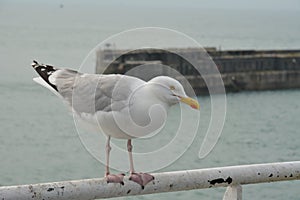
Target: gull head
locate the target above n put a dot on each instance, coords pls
(171, 91)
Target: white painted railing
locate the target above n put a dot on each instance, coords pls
(231, 177)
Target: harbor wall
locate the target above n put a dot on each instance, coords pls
(240, 69)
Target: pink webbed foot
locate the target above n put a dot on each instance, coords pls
(141, 178)
(115, 178)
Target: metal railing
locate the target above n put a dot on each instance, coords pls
(231, 177)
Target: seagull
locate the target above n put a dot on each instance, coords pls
(124, 107)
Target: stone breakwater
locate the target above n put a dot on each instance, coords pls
(239, 69)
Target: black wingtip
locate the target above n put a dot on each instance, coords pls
(45, 71)
(34, 63)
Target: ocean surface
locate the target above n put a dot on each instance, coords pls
(38, 138)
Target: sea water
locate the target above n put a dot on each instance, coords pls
(38, 139)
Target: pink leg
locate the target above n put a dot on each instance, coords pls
(140, 178)
(108, 149)
(129, 148)
(111, 178)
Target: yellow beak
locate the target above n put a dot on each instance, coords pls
(191, 102)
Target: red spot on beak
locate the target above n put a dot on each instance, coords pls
(194, 106)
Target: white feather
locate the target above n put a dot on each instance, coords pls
(41, 81)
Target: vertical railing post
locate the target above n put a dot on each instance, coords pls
(233, 192)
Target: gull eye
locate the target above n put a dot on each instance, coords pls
(172, 87)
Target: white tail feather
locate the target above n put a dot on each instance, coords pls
(41, 81)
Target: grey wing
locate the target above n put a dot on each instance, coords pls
(113, 91)
(90, 93)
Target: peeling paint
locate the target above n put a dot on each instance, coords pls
(220, 180)
(30, 188)
(50, 189)
(34, 195)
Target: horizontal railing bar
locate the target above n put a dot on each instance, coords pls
(88, 189)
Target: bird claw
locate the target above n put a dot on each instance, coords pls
(115, 178)
(141, 178)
